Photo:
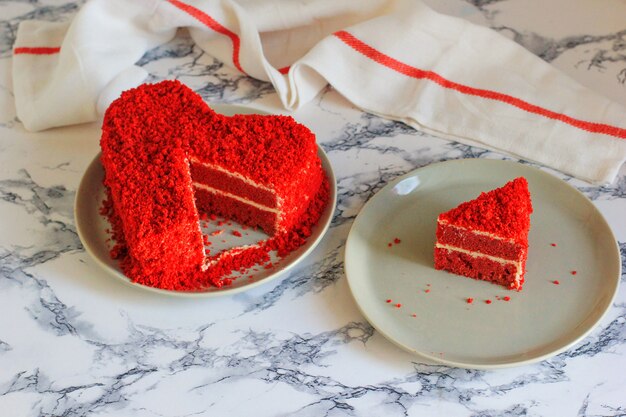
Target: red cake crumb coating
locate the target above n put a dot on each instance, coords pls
(150, 135)
(505, 212)
(487, 238)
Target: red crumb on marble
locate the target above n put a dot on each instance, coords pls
(553, 244)
(396, 240)
(413, 315)
(507, 298)
(487, 301)
(556, 282)
(217, 232)
(573, 272)
(426, 290)
(388, 300)
(398, 305)
(237, 233)
(389, 244)
(469, 300)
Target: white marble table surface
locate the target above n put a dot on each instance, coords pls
(74, 342)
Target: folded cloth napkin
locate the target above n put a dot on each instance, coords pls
(394, 58)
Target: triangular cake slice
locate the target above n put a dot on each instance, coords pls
(487, 238)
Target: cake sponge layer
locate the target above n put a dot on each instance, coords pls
(470, 240)
(479, 267)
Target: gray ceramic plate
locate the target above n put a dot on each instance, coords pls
(91, 227)
(434, 318)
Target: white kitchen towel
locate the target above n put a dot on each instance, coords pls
(394, 58)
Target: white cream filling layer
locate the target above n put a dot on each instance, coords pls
(236, 197)
(231, 174)
(478, 232)
(501, 261)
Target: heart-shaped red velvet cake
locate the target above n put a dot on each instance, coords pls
(169, 159)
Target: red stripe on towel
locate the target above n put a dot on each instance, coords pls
(413, 72)
(211, 23)
(36, 50)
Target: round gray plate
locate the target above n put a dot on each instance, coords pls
(434, 319)
(92, 226)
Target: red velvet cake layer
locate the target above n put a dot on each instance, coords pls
(226, 182)
(243, 213)
(469, 240)
(480, 267)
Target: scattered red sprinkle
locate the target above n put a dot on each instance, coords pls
(217, 232)
(236, 233)
(507, 298)
(268, 265)
(487, 301)
(388, 300)
(398, 305)
(396, 240)
(556, 282)
(427, 291)
(552, 244)
(574, 272)
(470, 300)
(413, 315)
(220, 223)
(389, 244)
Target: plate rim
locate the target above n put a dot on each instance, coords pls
(468, 365)
(281, 269)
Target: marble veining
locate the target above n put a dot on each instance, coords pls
(75, 342)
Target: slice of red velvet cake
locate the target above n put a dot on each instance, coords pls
(168, 158)
(487, 238)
